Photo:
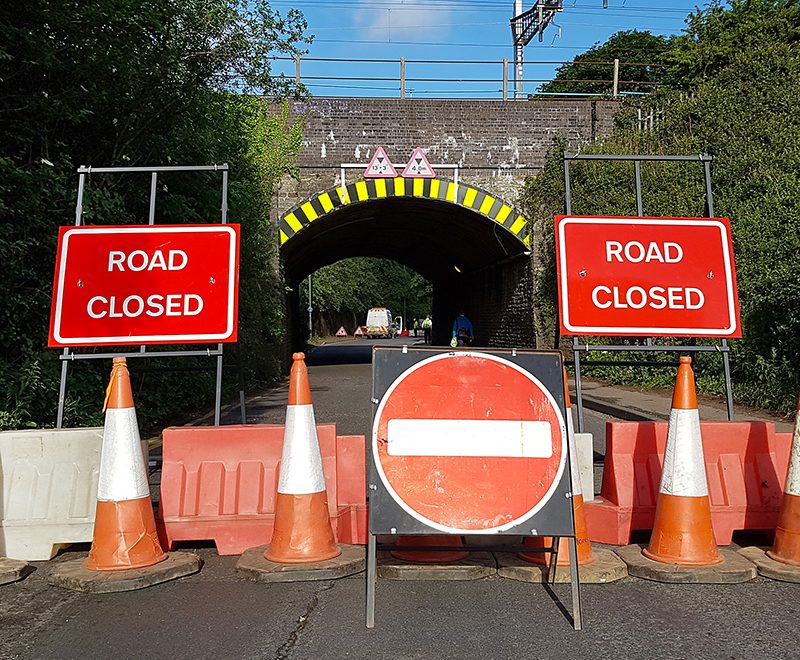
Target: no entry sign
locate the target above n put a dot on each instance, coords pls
(647, 276)
(469, 443)
(145, 285)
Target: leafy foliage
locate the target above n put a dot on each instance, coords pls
(343, 292)
(640, 54)
(736, 96)
(134, 82)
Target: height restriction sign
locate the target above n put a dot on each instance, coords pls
(672, 277)
(469, 443)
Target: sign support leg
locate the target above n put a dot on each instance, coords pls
(576, 587)
(62, 391)
(726, 366)
(578, 388)
(218, 397)
(372, 570)
(551, 570)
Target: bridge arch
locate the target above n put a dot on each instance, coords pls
(471, 245)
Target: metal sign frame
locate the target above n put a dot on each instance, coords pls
(68, 355)
(386, 516)
(722, 348)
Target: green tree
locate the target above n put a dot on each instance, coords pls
(641, 55)
(121, 82)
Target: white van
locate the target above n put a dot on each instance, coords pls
(379, 323)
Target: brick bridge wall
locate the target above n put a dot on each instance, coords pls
(495, 143)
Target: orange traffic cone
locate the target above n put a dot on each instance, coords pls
(429, 556)
(125, 528)
(581, 535)
(682, 532)
(786, 548)
(303, 531)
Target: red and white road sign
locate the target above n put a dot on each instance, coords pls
(380, 167)
(148, 284)
(359, 331)
(647, 276)
(341, 332)
(469, 442)
(418, 166)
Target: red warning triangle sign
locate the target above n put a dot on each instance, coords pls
(341, 332)
(418, 166)
(380, 166)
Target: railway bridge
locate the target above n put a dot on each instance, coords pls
(462, 230)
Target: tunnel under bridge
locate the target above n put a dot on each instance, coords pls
(472, 247)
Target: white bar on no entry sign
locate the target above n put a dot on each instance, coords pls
(470, 437)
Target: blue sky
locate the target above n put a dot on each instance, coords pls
(455, 30)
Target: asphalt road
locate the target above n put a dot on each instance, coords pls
(214, 614)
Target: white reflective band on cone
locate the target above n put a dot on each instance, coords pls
(684, 471)
(123, 475)
(793, 475)
(470, 437)
(301, 462)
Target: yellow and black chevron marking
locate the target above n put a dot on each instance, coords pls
(370, 189)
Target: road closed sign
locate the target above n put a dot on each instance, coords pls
(646, 276)
(145, 285)
(468, 443)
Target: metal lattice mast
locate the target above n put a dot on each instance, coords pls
(524, 25)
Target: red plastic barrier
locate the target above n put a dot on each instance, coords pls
(746, 464)
(219, 482)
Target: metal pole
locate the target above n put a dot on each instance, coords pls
(79, 203)
(62, 391)
(577, 618)
(371, 578)
(726, 360)
(402, 78)
(151, 216)
(637, 171)
(310, 310)
(616, 78)
(567, 191)
(297, 70)
(224, 206)
(218, 396)
(578, 389)
(519, 72)
(505, 79)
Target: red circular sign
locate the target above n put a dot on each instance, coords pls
(469, 442)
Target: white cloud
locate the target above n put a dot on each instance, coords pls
(410, 20)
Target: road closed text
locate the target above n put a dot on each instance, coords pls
(145, 285)
(157, 304)
(646, 276)
(637, 297)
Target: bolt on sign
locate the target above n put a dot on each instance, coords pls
(468, 442)
(668, 277)
(118, 285)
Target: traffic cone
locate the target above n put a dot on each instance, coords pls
(125, 529)
(581, 536)
(303, 531)
(786, 548)
(682, 532)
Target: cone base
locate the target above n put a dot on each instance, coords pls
(124, 536)
(303, 532)
(682, 532)
(429, 556)
(786, 548)
(584, 546)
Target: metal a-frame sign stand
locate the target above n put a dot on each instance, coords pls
(490, 424)
(722, 348)
(69, 355)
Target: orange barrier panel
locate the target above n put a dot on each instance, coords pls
(746, 465)
(219, 483)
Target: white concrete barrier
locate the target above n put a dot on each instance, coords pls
(585, 449)
(48, 481)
